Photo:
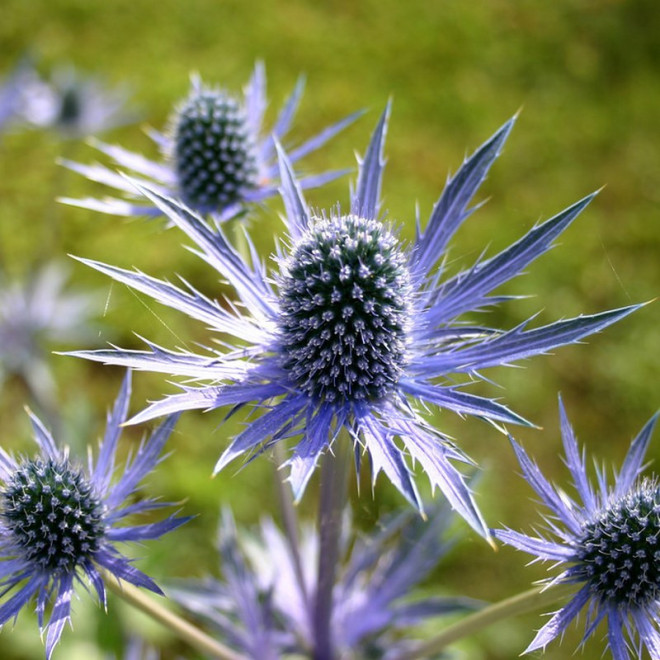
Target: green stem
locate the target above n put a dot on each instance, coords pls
(186, 631)
(528, 601)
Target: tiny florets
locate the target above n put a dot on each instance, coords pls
(344, 298)
(214, 154)
(619, 552)
(51, 511)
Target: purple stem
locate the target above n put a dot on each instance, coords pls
(331, 506)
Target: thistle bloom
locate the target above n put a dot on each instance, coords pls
(60, 521)
(217, 157)
(353, 330)
(73, 104)
(33, 315)
(607, 542)
(264, 605)
(10, 93)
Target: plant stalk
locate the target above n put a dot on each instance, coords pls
(331, 506)
(528, 601)
(290, 522)
(186, 631)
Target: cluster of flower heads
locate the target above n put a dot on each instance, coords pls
(61, 520)
(348, 339)
(353, 329)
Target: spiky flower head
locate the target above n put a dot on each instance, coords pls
(72, 103)
(34, 315)
(264, 605)
(60, 521)
(218, 155)
(214, 154)
(353, 329)
(607, 542)
(345, 304)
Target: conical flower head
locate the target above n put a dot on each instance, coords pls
(52, 512)
(344, 302)
(619, 550)
(219, 156)
(214, 154)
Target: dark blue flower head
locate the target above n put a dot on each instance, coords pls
(356, 329)
(214, 155)
(607, 542)
(60, 521)
(345, 307)
(218, 155)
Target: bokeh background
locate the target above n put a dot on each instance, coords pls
(587, 77)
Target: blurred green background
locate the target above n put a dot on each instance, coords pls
(587, 76)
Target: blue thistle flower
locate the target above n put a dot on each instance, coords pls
(10, 92)
(71, 103)
(217, 156)
(60, 521)
(264, 604)
(607, 543)
(356, 329)
(33, 315)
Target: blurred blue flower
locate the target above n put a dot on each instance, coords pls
(607, 542)
(73, 104)
(35, 314)
(264, 605)
(356, 329)
(10, 92)
(217, 154)
(60, 521)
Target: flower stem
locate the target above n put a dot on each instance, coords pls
(528, 601)
(186, 631)
(289, 520)
(331, 506)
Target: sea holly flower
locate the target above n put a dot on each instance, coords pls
(217, 154)
(71, 103)
(60, 521)
(264, 604)
(353, 330)
(10, 92)
(34, 315)
(606, 542)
